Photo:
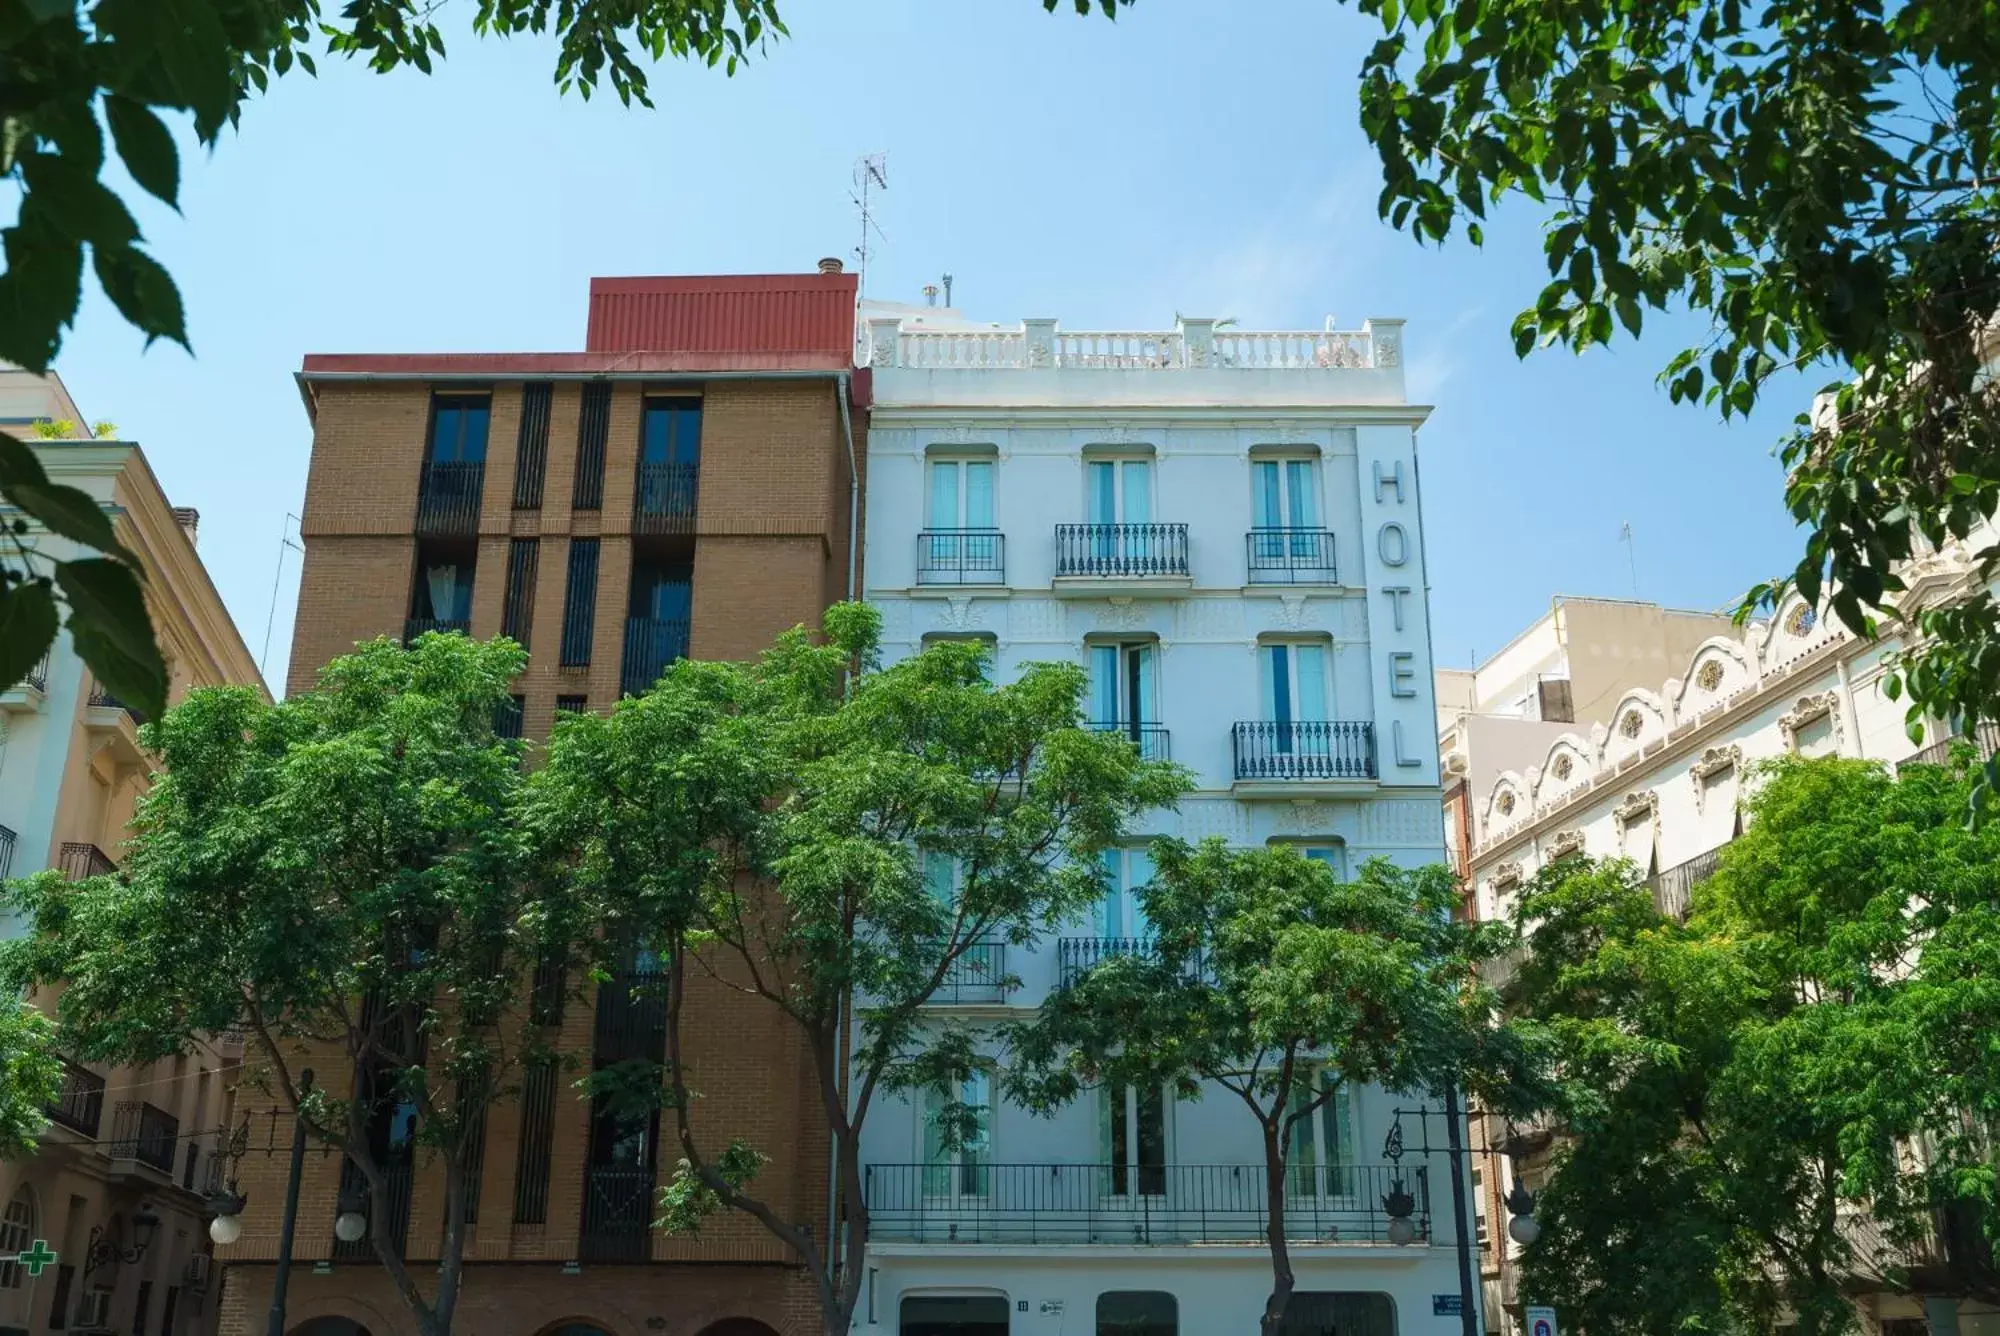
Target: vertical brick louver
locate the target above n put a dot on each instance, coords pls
(583, 537)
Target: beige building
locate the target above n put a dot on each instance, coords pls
(1679, 705)
(117, 1190)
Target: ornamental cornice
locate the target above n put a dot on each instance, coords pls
(1806, 710)
(1565, 843)
(1636, 806)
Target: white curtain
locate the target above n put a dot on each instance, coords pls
(443, 584)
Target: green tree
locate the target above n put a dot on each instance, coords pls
(30, 1078)
(837, 841)
(1817, 179)
(77, 70)
(1281, 986)
(345, 876)
(1767, 1106)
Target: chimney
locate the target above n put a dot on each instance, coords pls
(830, 265)
(189, 519)
(930, 294)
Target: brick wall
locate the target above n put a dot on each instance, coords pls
(768, 550)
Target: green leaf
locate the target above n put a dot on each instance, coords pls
(18, 463)
(142, 292)
(67, 511)
(27, 629)
(111, 628)
(146, 147)
(78, 205)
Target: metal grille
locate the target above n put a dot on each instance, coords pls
(617, 1215)
(1121, 550)
(78, 861)
(146, 1133)
(1290, 556)
(531, 448)
(104, 700)
(475, 1149)
(665, 499)
(580, 603)
(572, 704)
(651, 644)
(538, 1118)
(416, 626)
(448, 501)
(1304, 749)
(961, 556)
(7, 838)
(396, 1229)
(507, 718)
(80, 1105)
(593, 428)
(517, 614)
(1151, 739)
(1673, 890)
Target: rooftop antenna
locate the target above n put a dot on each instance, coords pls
(284, 541)
(871, 173)
(1631, 554)
(947, 289)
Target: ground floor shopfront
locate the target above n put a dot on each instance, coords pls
(1217, 1290)
(533, 1299)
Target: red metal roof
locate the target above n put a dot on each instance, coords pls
(810, 314)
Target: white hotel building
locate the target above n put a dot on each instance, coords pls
(1223, 528)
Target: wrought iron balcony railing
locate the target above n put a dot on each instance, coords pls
(1673, 889)
(978, 975)
(79, 1105)
(1290, 556)
(961, 556)
(973, 1202)
(1303, 749)
(652, 644)
(100, 699)
(448, 497)
(1121, 551)
(1151, 739)
(146, 1133)
(618, 1213)
(416, 626)
(664, 499)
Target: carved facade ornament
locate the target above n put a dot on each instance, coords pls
(1562, 766)
(1801, 620)
(1506, 874)
(1807, 709)
(962, 614)
(882, 345)
(1565, 843)
(1712, 764)
(1292, 611)
(1504, 804)
(1631, 723)
(959, 433)
(1387, 352)
(1709, 676)
(1635, 807)
(1121, 614)
(1119, 433)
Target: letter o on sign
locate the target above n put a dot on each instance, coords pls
(1392, 544)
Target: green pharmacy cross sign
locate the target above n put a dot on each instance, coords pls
(38, 1258)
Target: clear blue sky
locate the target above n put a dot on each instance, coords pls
(1108, 175)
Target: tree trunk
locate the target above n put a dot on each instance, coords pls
(451, 1252)
(845, 1294)
(1274, 1232)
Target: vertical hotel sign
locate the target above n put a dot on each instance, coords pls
(1399, 587)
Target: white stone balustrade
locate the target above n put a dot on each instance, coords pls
(1193, 344)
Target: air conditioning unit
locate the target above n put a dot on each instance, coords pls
(195, 1276)
(93, 1311)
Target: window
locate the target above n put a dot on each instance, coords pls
(1137, 1313)
(59, 1305)
(662, 592)
(1329, 854)
(517, 613)
(961, 495)
(1323, 1140)
(443, 597)
(531, 446)
(1479, 1205)
(17, 1231)
(1815, 737)
(593, 428)
(962, 1170)
(1120, 491)
(1132, 1139)
(472, 1105)
(167, 1311)
(139, 1307)
(580, 603)
(508, 717)
(670, 431)
(531, 1165)
(1121, 915)
(1295, 692)
(1315, 1312)
(1124, 685)
(953, 1315)
(458, 428)
(572, 704)
(1284, 494)
(944, 878)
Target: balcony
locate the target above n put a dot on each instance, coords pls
(1095, 559)
(961, 557)
(664, 500)
(416, 626)
(617, 1215)
(113, 727)
(398, 1179)
(974, 1203)
(448, 498)
(7, 842)
(977, 978)
(1299, 756)
(77, 861)
(652, 644)
(80, 1104)
(1151, 739)
(1673, 889)
(1193, 345)
(1290, 556)
(144, 1134)
(26, 696)
(100, 699)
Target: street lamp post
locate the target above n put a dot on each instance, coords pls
(276, 1326)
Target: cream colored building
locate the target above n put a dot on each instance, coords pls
(1651, 769)
(134, 1145)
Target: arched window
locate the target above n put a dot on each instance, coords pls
(330, 1326)
(17, 1231)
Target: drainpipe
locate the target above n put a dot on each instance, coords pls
(853, 488)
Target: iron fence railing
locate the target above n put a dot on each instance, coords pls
(664, 499)
(37, 676)
(103, 700)
(978, 975)
(448, 497)
(1151, 739)
(1673, 889)
(652, 644)
(1121, 550)
(1077, 956)
(617, 1215)
(1303, 749)
(961, 556)
(79, 1105)
(144, 1132)
(1290, 556)
(78, 861)
(973, 1202)
(416, 626)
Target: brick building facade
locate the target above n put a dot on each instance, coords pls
(684, 487)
